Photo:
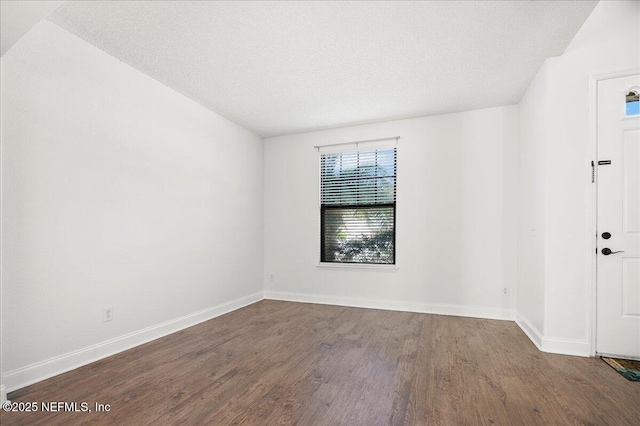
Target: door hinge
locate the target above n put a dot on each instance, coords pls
(593, 172)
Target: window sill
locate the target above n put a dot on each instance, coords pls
(323, 265)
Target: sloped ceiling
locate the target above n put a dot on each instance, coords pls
(286, 67)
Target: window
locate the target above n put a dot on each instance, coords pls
(358, 207)
(632, 104)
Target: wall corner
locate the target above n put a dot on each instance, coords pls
(3, 394)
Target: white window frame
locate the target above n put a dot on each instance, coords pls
(381, 143)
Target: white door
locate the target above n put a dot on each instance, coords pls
(618, 223)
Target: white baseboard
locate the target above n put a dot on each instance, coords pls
(3, 394)
(552, 344)
(391, 305)
(530, 330)
(573, 347)
(33, 373)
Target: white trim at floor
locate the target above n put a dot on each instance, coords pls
(33, 373)
(391, 305)
(553, 345)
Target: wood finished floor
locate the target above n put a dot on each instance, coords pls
(276, 363)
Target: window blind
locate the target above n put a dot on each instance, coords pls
(358, 206)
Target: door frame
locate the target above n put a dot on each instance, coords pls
(592, 219)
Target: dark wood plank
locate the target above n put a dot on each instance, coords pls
(294, 363)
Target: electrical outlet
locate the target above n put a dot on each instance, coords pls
(505, 291)
(271, 277)
(107, 314)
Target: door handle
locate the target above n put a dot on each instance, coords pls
(607, 251)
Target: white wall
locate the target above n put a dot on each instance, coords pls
(608, 42)
(532, 205)
(456, 217)
(117, 191)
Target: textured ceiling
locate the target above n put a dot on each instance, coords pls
(286, 67)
